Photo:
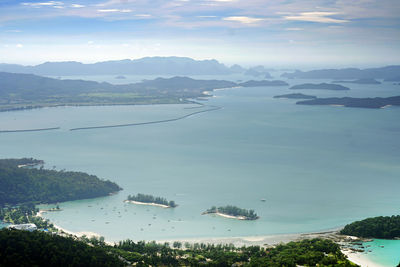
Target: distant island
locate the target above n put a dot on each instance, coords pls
(378, 227)
(27, 91)
(20, 183)
(377, 102)
(320, 86)
(120, 77)
(296, 96)
(387, 73)
(232, 212)
(151, 200)
(360, 81)
(253, 83)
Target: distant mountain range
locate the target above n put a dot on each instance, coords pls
(386, 73)
(143, 66)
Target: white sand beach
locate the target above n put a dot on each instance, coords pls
(144, 203)
(360, 259)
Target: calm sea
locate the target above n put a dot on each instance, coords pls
(317, 167)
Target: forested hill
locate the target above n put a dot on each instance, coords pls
(19, 184)
(378, 227)
(23, 248)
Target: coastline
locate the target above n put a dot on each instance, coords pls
(263, 241)
(148, 204)
(359, 258)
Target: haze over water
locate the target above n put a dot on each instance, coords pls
(318, 167)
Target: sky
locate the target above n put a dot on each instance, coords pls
(273, 33)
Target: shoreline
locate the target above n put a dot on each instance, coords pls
(148, 204)
(262, 241)
(359, 258)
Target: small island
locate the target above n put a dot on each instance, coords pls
(143, 199)
(377, 102)
(120, 77)
(253, 83)
(296, 96)
(360, 81)
(232, 212)
(320, 86)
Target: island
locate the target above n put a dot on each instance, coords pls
(20, 183)
(296, 96)
(320, 86)
(387, 72)
(232, 212)
(143, 199)
(360, 81)
(383, 227)
(253, 83)
(120, 77)
(377, 102)
(28, 91)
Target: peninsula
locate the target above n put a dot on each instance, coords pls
(320, 86)
(143, 199)
(232, 212)
(377, 102)
(22, 183)
(296, 96)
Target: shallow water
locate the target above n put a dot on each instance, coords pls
(318, 167)
(384, 252)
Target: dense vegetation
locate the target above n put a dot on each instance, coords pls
(22, 185)
(306, 253)
(23, 248)
(151, 199)
(377, 227)
(233, 211)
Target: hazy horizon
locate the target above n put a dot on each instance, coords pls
(281, 34)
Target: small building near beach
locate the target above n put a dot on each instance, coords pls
(26, 227)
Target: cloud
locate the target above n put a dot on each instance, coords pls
(243, 19)
(319, 17)
(113, 10)
(19, 45)
(77, 6)
(41, 4)
(294, 29)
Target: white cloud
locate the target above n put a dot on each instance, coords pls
(19, 45)
(16, 31)
(320, 17)
(294, 29)
(40, 4)
(77, 6)
(114, 10)
(243, 19)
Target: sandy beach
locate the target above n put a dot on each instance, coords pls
(265, 241)
(360, 259)
(149, 204)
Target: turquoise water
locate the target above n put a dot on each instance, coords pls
(384, 252)
(318, 167)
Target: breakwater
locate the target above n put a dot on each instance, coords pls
(148, 122)
(29, 130)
